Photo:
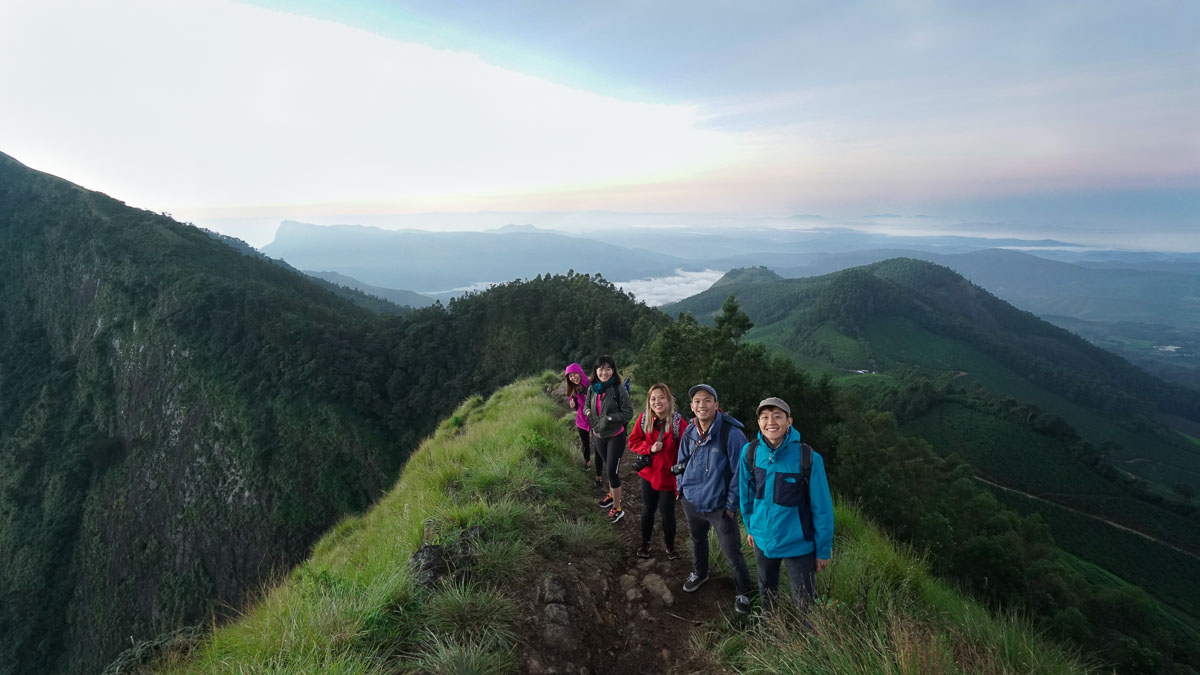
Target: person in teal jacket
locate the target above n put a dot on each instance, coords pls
(786, 521)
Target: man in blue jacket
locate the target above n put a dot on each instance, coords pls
(710, 451)
(787, 509)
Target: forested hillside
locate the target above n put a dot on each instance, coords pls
(1011, 559)
(179, 421)
(1026, 405)
(488, 556)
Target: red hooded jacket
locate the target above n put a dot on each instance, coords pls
(659, 472)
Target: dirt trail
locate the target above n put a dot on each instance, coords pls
(629, 615)
(1090, 515)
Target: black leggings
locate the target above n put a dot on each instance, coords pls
(662, 501)
(585, 445)
(609, 451)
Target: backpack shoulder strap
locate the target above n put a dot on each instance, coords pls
(728, 422)
(806, 453)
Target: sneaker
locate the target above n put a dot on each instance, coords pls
(615, 514)
(599, 483)
(607, 501)
(672, 554)
(741, 604)
(643, 551)
(693, 582)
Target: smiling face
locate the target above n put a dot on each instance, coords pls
(659, 403)
(574, 378)
(774, 424)
(604, 372)
(705, 407)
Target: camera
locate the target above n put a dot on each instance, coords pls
(679, 468)
(642, 462)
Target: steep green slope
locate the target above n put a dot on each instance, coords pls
(496, 490)
(906, 313)
(179, 421)
(1027, 405)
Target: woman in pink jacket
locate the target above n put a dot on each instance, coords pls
(656, 434)
(577, 384)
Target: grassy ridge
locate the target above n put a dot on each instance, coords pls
(497, 481)
(491, 483)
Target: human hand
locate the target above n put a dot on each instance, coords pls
(656, 447)
(822, 563)
(731, 514)
(750, 539)
(572, 403)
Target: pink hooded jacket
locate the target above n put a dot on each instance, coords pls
(581, 397)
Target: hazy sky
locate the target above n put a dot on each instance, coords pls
(1023, 118)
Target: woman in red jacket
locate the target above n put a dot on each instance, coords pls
(655, 436)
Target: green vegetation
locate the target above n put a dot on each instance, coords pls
(505, 475)
(492, 486)
(1008, 561)
(882, 611)
(179, 421)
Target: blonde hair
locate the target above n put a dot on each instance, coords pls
(648, 416)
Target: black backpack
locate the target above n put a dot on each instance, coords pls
(806, 453)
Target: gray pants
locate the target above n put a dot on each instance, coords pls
(728, 535)
(801, 572)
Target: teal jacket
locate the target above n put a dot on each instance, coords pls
(772, 500)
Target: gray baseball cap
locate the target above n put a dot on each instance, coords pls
(774, 402)
(702, 387)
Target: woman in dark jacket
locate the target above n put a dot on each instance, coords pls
(655, 436)
(608, 411)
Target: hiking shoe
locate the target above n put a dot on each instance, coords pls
(607, 501)
(643, 551)
(615, 514)
(741, 604)
(672, 554)
(693, 582)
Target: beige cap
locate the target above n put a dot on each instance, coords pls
(774, 402)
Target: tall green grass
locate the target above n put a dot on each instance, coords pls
(490, 486)
(498, 484)
(880, 611)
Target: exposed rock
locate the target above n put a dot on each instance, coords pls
(429, 564)
(559, 638)
(557, 614)
(553, 591)
(658, 589)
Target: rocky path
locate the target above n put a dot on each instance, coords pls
(629, 615)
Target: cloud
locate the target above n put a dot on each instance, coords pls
(661, 290)
(214, 103)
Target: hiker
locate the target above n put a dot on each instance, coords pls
(655, 436)
(708, 483)
(577, 384)
(608, 411)
(786, 506)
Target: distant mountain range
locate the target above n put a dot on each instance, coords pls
(435, 262)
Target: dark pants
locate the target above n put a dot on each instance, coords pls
(802, 572)
(728, 535)
(665, 503)
(585, 446)
(608, 451)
